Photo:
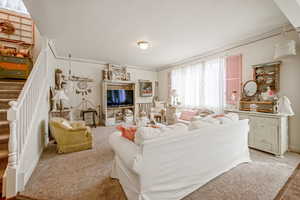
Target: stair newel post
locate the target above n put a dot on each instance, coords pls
(11, 172)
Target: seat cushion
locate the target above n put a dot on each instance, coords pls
(187, 115)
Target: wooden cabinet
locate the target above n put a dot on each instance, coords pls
(14, 67)
(268, 132)
(112, 115)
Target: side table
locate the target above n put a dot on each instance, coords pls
(89, 116)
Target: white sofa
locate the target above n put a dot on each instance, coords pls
(172, 166)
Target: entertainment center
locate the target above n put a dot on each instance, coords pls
(118, 103)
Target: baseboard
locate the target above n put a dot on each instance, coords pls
(294, 149)
(12, 198)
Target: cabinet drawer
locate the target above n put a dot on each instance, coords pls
(264, 133)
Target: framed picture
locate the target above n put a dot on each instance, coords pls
(117, 73)
(89, 116)
(146, 88)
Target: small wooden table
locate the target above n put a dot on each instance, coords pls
(93, 113)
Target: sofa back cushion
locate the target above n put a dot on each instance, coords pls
(187, 115)
(199, 124)
(227, 118)
(149, 133)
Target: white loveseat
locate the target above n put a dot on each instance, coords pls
(172, 166)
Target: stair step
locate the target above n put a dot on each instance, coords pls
(3, 114)
(3, 154)
(11, 85)
(9, 94)
(4, 138)
(4, 127)
(4, 103)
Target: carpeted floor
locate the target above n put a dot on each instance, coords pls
(291, 190)
(85, 176)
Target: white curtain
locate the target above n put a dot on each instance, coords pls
(15, 5)
(201, 85)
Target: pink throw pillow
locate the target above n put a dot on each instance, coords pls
(187, 115)
(127, 132)
(219, 116)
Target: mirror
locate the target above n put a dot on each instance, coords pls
(250, 88)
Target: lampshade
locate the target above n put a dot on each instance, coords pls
(60, 95)
(284, 106)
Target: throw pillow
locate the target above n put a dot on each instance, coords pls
(199, 124)
(174, 129)
(187, 115)
(210, 119)
(66, 124)
(146, 133)
(127, 132)
(229, 118)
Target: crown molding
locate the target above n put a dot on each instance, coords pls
(275, 32)
(90, 61)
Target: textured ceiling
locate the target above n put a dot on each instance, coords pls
(107, 30)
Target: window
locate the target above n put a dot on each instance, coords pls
(209, 84)
(14, 5)
(201, 85)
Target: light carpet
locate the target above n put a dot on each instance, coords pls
(85, 176)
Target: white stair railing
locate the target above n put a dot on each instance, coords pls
(21, 119)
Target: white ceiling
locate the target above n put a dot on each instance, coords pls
(107, 30)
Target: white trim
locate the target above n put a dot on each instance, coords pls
(270, 34)
(91, 61)
(275, 32)
(26, 175)
(294, 149)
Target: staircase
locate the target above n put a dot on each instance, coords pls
(9, 91)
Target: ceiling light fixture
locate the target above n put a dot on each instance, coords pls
(143, 45)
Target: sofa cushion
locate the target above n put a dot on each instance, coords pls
(199, 124)
(66, 124)
(148, 133)
(174, 129)
(228, 118)
(187, 115)
(210, 119)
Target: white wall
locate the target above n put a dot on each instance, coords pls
(261, 52)
(94, 71)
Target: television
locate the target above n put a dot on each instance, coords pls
(116, 98)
